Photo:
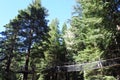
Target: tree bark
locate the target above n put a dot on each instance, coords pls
(26, 67)
(25, 76)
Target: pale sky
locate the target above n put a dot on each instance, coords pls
(60, 9)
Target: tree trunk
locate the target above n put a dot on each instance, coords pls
(26, 67)
(25, 76)
(8, 68)
(8, 64)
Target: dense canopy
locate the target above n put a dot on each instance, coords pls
(32, 49)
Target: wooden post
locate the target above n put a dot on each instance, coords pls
(55, 76)
(48, 76)
(67, 76)
(74, 76)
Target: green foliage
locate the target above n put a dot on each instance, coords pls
(28, 44)
(53, 50)
(92, 32)
(24, 42)
(89, 36)
(109, 78)
(64, 28)
(100, 77)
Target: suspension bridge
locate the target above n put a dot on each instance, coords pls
(54, 73)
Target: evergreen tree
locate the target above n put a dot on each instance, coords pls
(91, 38)
(9, 49)
(111, 22)
(64, 53)
(33, 32)
(26, 35)
(53, 51)
(64, 28)
(69, 44)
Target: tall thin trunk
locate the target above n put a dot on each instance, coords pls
(26, 67)
(8, 68)
(25, 76)
(8, 64)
